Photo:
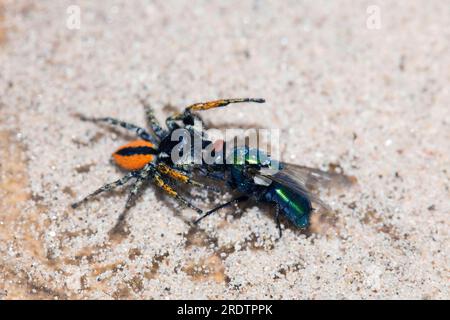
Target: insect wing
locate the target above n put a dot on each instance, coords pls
(315, 178)
(306, 180)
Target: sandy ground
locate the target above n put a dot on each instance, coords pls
(372, 102)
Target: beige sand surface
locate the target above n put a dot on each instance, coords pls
(374, 102)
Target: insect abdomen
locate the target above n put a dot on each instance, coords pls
(134, 155)
(296, 207)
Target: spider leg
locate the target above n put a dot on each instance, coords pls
(169, 190)
(152, 121)
(140, 132)
(226, 204)
(106, 187)
(220, 103)
(182, 177)
(206, 106)
(136, 187)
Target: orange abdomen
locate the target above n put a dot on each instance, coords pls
(134, 155)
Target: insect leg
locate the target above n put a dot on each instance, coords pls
(169, 190)
(226, 204)
(220, 176)
(106, 187)
(129, 126)
(277, 219)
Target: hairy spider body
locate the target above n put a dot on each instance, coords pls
(135, 155)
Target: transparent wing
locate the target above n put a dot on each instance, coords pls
(306, 180)
(314, 178)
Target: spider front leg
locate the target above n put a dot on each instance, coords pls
(188, 118)
(140, 132)
(106, 187)
(220, 103)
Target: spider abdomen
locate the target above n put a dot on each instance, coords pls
(134, 155)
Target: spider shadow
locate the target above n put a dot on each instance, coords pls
(270, 211)
(228, 125)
